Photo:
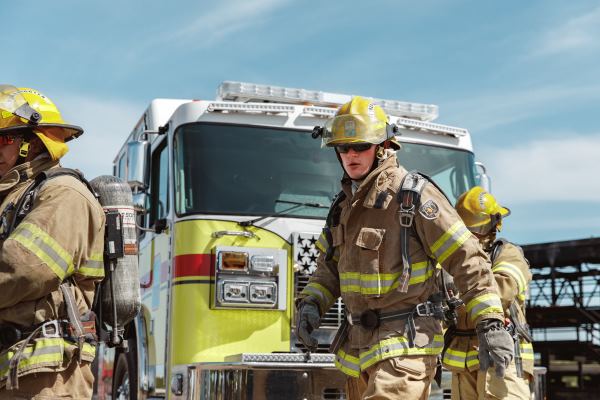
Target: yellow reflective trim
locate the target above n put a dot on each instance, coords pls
(454, 358)
(347, 364)
(514, 272)
(362, 283)
(47, 350)
(322, 243)
(93, 267)
(398, 346)
(490, 301)
(321, 293)
(420, 279)
(459, 242)
(460, 359)
(89, 349)
(526, 351)
(446, 235)
(49, 250)
(484, 298)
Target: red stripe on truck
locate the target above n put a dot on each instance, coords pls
(193, 265)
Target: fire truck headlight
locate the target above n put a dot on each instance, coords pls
(250, 278)
(262, 263)
(263, 293)
(235, 292)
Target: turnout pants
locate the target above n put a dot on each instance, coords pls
(406, 378)
(482, 385)
(75, 382)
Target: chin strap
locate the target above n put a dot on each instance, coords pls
(24, 148)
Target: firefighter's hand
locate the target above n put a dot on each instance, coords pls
(308, 320)
(496, 346)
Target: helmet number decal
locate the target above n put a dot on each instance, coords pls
(429, 210)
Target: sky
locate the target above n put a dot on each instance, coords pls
(522, 77)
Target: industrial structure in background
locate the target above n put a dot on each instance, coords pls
(564, 313)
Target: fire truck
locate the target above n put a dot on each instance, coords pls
(231, 195)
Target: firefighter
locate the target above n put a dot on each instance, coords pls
(51, 246)
(381, 256)
(483, 217)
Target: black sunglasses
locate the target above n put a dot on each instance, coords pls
(357, 147)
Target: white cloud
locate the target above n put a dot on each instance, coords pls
(488, 111)
(227, 18)
(578, 33)
(560, 169)
(107, 123)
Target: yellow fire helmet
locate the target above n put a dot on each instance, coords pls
(24, 109)
(480, 211)
(358, 121)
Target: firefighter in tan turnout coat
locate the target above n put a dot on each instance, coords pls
(51, 246)
(386, 274)
(483, 216)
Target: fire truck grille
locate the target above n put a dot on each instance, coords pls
(305, 260)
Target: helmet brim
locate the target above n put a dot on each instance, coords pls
(67, 132)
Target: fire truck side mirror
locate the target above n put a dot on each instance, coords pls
(138, 154)
(482, 178)
(140, 203)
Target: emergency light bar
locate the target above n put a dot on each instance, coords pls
(245, 92)
(432, 127)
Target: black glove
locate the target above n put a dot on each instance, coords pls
(496, 346)
(308, 320)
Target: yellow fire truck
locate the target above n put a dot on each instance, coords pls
(231, 195)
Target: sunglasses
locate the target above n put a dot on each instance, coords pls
(5, 139)
(357, 147)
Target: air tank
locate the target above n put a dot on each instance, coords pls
(121, 254)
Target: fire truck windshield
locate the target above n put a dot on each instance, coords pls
(452, 169)
(250, 170)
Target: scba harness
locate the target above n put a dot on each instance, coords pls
(76, 328)
(440, 305)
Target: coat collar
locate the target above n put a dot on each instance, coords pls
(390, 162)
(24, 172)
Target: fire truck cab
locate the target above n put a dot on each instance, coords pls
(232, 195)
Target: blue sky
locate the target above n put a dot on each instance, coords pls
(523, 77)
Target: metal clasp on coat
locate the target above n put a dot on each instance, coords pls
(407, 215)
(51, 329)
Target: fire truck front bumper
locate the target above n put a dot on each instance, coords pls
(263, 376)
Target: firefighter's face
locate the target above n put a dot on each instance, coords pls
(357, 164)
(9, 154)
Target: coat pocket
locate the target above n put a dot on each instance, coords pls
(370, 241)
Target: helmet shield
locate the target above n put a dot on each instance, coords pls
(14, 109)
(353, 128)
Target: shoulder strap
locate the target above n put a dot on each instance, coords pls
(409, 198)
(23, 206)
(496, 249)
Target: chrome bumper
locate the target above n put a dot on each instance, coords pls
(277, 376)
